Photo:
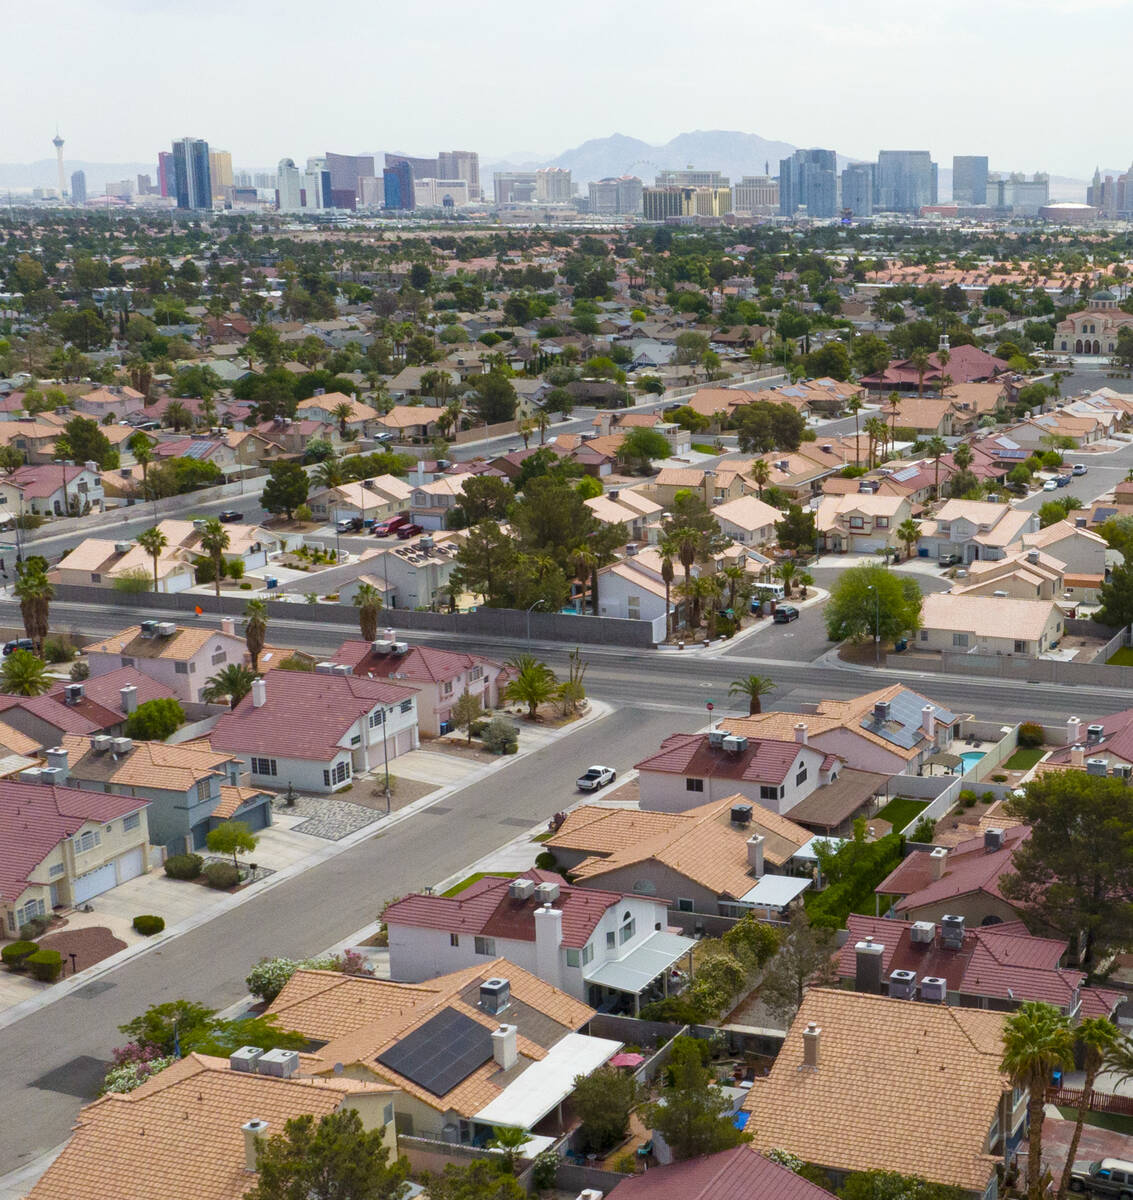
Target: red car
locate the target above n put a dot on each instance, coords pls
(408, 531)
(385, 528)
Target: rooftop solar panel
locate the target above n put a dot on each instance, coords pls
(441, 1053)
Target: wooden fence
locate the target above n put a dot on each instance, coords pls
(1103, 1102)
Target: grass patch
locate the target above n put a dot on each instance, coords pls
(1117, 1122)
(543, 837)
(1025, 758)
(1121, 658)
(704, 448)
(901, 811)
(475, 877)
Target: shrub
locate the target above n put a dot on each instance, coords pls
(269, 976)
(236, 569)
(625, 1164)
(58, 650)
(478, 727)
(545, 1171)
(221, 875)
(14, 955)
(988, 797)
(678, 1009)
(45, 965)
(34, 928)
(303, 513)
(500, 735)
(183, 866)
(967, 798)
(924, 830)
(999, 778)
(155, 720)
(546, 861)
(1030, 735)
(127, 1076)
(80, 671)
(147, 925)
(245, 586)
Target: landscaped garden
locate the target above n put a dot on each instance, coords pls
(1024, 758)
(901, 811)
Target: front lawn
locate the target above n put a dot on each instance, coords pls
(704, 448)
(475, 877)
(901, 811)
(1025, 758)
(1121, 658)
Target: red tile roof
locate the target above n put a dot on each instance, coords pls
(305, 715)
(34, 819)
(43, 480)
(1116, 740)
(423, 664)
(689, 754)
(738, 1174)
(486, 908)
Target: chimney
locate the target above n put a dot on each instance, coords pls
(504, 1049)
(252, 1130)
(928, 721)
(129, 696)
(801, 733)
(1078, 756)
(867, 966)
(1073, 730)
(548, 944)
(58, 758)
(811, 1037)
(939, 857)
(228, 625)
(259, 693)
(755, 854)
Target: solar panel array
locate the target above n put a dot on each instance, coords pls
(441, 1053)
(904, 725)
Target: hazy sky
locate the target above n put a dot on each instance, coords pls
(1024, 81)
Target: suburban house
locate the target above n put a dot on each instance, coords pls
(99, 705)
(59, 847)
(431, 503)
(486, 1046)
(317, 731)
(1104, 747)
(606, 948)
(626, 507)
(52, 489)
(1025, 575)
(729, 857)
(408, 422)
(747, 520)
(929, 1059)
(963, 881)
(1082, 552)
(440, 676)
(861, 522)
(891, 731)
(739, 1172)
(692, 769)
(632, 588)
(97, 562)
(109, 404)
(183, 782)
(1002, 625)
(376, 499)
(991, 966)
(180, 658)
(1039, 433)
(321, 407)
(33, 436)
(965, 364)
(975, 529)
(191, 1129)
(930, 416)
(253, 545)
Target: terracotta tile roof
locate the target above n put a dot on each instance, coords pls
(937, 1065)
(180, 1132)
(180, 646)
(422, 664)
(764, 760)
(232, 799)
(739, 1174)
(1003, 617)
(174, 768)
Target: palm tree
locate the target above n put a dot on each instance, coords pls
(208, 411)
(586, 564)
(1037, 1039)
(920, 363)
(937, 447)
(754, 687)
(685, 542)
(695, 590)
(23, 674)
(255, 630)
(942, 357)
(760, 475)
(525, 428)
(711, 589)
(533, 683)
(153, 541)
(177, 415)
(231, 683)
(1098, 1037)
(342, 412)
(142, 449)
(543, 421)
(667, 580)
(34, 591)
(895, 405)
(805, 580)
(735, 574)
(214, 542)
(368, 601)
(854, 405)
(962, 456)
(908, 531)
(786, 572)
(877, 431)
(509, 1140)
(330, 473)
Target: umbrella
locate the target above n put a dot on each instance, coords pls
(627, 1060)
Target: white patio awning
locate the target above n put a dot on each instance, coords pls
(775, 891)
(637, 970)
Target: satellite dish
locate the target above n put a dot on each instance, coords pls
(339, 1068)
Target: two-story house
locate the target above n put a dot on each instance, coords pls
(321, 407)
(599, 946)
(431, 503)
(376, 499)
(748, 520)
(861, 522)
(111, 403)
(626, 507)
(316, 731)
(52, 489)
(975, 529)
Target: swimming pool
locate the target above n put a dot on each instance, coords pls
(971, 757)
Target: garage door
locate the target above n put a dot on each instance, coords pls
(130, 865)
(95, 882)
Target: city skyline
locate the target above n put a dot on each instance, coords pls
(857, 112)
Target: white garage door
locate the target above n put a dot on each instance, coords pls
(93, 882)
(130, 864)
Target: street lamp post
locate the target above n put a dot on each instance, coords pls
(876, 625)
(535, 605)
(385, 757)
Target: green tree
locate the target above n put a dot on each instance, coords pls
(785, 572)
(486, 497)
(762, 426)
(196, 381)
(342, 412)
(870, 354)
(24, 674)
(509, 1140)
(889, 1185)
(286, 489)
(333, 1159)
(368, 602)
(796, 531)
(804, 958)
(1037, 1039)
(153, 542)
(754, 687)
(533, 683)
(936, 447)
(1074, 873)
(642, 445)
(486, 564)
(868, 601)
(831, 360)
(142, 450)
(178, 416)
(255, 631)
(909, 532)
(694, 1116)
(155, 720)
(495, 398)
(87, 443)
(34, 591)
(688, 418)
(214, 541)
(231, 683)
(232, 837)
(1098, 1037)
(1116, 596)
(465, 712)
(603, 1101)
(479, 1180)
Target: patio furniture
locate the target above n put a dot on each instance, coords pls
(646, 1150)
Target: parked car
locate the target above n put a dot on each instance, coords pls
(386, 437)
(1050, 485)
(408, 531)
(18, 644)
(1109, 1177)
(350, 525)
(785, 613)
(385, 528)
(1079, 469)
(951, 560)
(229, 515)
(595, 778)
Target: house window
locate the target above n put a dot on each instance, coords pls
(204, 790)
(387, 1115)
(881, 523)
(684, 904)
(1020, 647)
(924, 635)
(587, 953)
(339, 773)
(88, 841)
(801, 776)
(95, 577)
(611, 940)
(356, 740)
(131, 821)
(454, 939)
(377, 717)
(694, 785)
(264, 766)
(573, 958)
(476, 673)
(485, 946)
(769, 793)
(55, 871)
(959, 639)
(633, 608)
(626, 931)
(218, 656)
(857, 523)
(181, 668)
(406, 705)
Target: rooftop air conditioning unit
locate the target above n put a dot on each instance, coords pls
(547, 893)
(1122, 770)
(200, 525)
(149, 629)
(521, 889)
(325, 668)
(380, 646)
(923, 933)
(101, 743)
(993, 840)
(166, 628)
(399, 648)
(245, 1059)
(1097, 766)
(631, 549)
(716, 738)
(951, 931)
(881, 711)
(343, 669)
(495, 995)
(123, 745)
(735, 743)
(741, 814)
(426, 543)
(934, 989)
(72, 693)
(123, 547)
(1094, 733)
(902, 985)
(281, 1063)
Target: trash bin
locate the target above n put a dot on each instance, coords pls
(270, 582)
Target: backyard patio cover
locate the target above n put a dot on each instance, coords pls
(640, 967)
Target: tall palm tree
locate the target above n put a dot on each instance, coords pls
(255, 631)
(23, 674)
(34, 591)
(920, 363)
(735, 574)
(854, 405)
(586, 564)
(786, 572)
(231, 683)
(153, 542)
(525, 428)
(908, 531)
(895, 405)
(342, 412)
(695, 591)
(543, 421)
(937, 447)
(962, 456)
(686, 543)
(754, 687)
(1099, 1038)
(368, 601)
(208, 411)
(877, 431)
(142, 449)
(214, 542)
(330, 473)
(1037, 1039)
(178, 415)
(667, 580)
(760, 475)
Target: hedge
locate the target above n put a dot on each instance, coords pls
(45, 965)
(867, 865)
(221, 875)
(184, 866)
(15, 955)
(148, 925)
(34, 928)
